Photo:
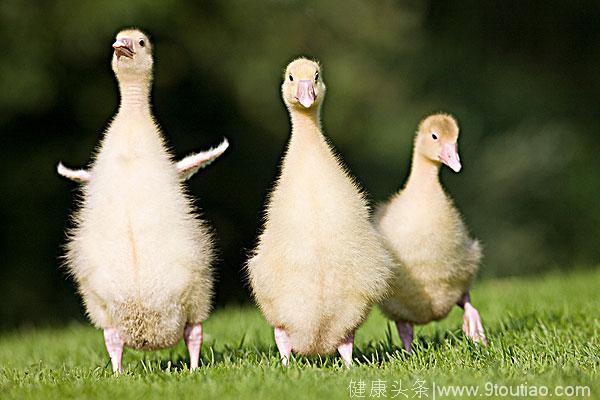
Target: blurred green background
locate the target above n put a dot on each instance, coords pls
(522, 77)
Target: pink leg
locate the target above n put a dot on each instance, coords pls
(283, 345)
(405, 331)
(472, 326)
(192, 335)
(345, 350)
(114, 345)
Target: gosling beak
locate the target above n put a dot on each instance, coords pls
(306, 93)
(449, 156)
(123, 48)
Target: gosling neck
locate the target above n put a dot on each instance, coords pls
(135, 95)
(305, 123)
(424, 173)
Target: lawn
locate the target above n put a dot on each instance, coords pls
(543, 332)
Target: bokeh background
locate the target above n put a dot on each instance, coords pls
(522, 77)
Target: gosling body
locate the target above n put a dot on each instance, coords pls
(436, 258)
(139, 253)
(319, 265)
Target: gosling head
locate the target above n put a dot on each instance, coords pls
(437, 139)
(303, 87)
(132, 57)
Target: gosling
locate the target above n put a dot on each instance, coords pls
(436, 259)
(319, 265)
(140, 255)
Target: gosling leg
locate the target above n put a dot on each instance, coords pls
(405, 331)
(283, 345)
(345, 350)
(192, 335)
(114, 345)
(472, 326)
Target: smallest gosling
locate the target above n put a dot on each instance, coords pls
(436, 259)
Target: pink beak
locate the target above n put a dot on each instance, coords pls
(306, 93)
(449, 156)
(123, 48)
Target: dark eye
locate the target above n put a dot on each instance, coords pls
(142, 42)
(434, 136)
(291, 78)
(317, 77)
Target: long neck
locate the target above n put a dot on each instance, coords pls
(424, 173)
(135, 95)
(306, 126)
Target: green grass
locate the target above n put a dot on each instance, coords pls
(542, 331)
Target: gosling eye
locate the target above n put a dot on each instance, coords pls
(317, 77)
(291, 78)
(142, 42)
(434, 136)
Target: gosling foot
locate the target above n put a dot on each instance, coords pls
(472, 326)
(192, 335)
(284, 345)
(345, 350)
(114, 345)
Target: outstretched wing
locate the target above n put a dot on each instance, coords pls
(79, 175)
(188, 166)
